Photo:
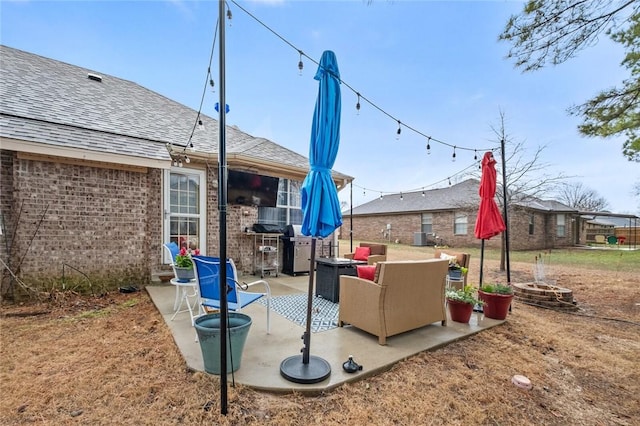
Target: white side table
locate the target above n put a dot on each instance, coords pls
(453, 283)
(186, 289)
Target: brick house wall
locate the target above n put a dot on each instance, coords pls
(105, 222)
(95, 219)
(403, 226)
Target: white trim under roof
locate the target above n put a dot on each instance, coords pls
(82, 154)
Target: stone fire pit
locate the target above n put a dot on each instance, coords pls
(545, 295)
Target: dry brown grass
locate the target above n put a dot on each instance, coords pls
(112, 360)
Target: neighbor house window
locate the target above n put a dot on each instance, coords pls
(427, 223)
(184, 208)
(531, 216)
(560, 224)
(460, 224)
(287, 210)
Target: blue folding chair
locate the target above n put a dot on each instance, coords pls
(207, 271)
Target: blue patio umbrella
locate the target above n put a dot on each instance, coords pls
(321, 213)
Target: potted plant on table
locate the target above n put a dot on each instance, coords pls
(461, 302)
(456, 271)
(184, 265)
(497, 299)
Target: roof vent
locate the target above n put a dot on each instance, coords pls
(94, 77)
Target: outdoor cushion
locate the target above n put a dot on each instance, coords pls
(366, 272)
(362, 253)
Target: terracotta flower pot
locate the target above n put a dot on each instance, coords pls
(459, 311)
(496, 306)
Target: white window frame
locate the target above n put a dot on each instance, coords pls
(561, 225)
(201, 215)
(292, 201)
(460, 223)
(426, 225)
(532, 224)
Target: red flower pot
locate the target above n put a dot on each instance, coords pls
(459, 311)
(496, 306)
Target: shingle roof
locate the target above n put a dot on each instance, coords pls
(546, 205)
(460, 195)
(51, 102)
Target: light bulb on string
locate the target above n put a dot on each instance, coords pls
(401, 197)
(191, 147)
(175, 163)
(358, 104)
(364, 192)
(381, 195)
(453, 157)
(300, 64)
(399, 130)
(449, 181)
(212, 84)
(428, 146)
(423, 192)
(475, 155)
(200, 125)
(187, 159)
(229, 14)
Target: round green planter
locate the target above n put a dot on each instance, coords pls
(208, 330)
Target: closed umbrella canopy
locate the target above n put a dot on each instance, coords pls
(489, 222)
(320, 204)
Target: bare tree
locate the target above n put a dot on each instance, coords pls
(527, 178)
(578, 196)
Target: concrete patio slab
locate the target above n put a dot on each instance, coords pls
(263, 353)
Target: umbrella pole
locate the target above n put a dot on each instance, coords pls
(481, 261)
(306, 337)
(306, 368)
(351, 220)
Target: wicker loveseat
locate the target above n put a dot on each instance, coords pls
(403, 296)
(377, 253)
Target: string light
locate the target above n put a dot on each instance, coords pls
(300, 64)
(453, 157)
(401, 197)
(399, 130)
(475, 155)
(364, 192)
(428, 145)
(345, 84)
(229, 14)
(461, 172)
(212, 84)
(358, 104)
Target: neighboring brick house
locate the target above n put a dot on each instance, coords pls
(448, 215)
(87, 178)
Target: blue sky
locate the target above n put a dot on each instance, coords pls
(436, 66)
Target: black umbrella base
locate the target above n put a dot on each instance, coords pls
(294, 370)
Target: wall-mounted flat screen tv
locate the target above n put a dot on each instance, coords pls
(250, 189)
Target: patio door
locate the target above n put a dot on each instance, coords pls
(184, 199)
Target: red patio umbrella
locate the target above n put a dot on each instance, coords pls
(489, 222)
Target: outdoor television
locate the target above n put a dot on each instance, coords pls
(250, 189)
